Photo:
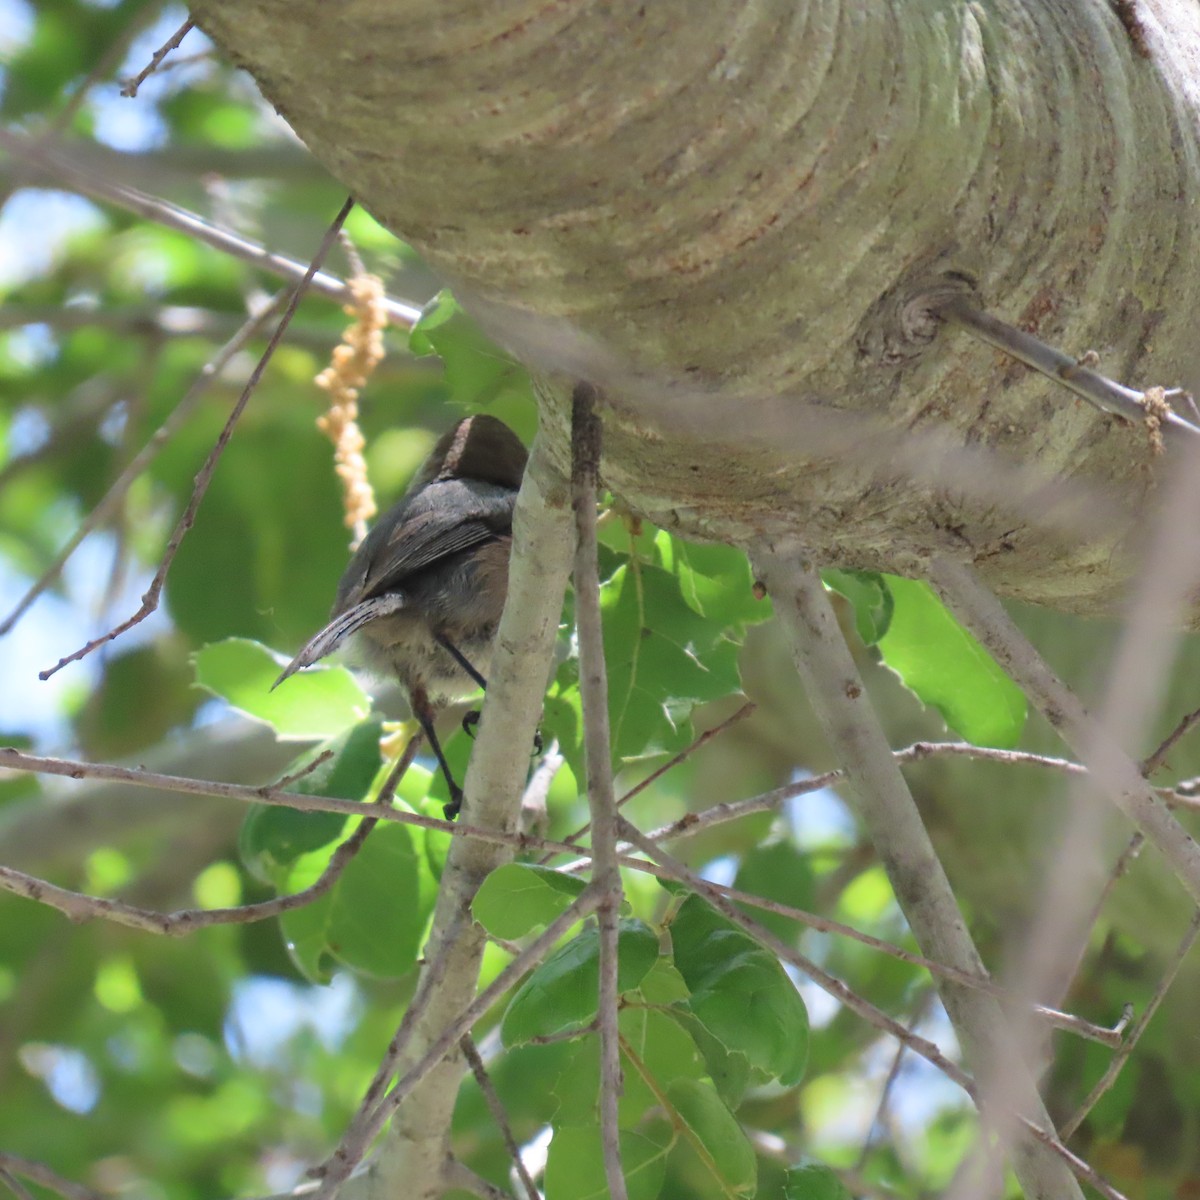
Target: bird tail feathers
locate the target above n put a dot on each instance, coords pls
(339, 629)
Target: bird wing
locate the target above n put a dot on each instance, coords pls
(441, 520)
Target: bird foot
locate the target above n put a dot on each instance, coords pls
(454, 807)
(471, 720)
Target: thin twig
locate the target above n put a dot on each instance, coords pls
(856, 1003)
(286, 781)
(674, 761)
(57, 166)
(884, 804)
(108, 61)
(499, 1114)
(18, 760)
(112, 498)
(172, 43)
(840, 991)
(885, 1093)
(1124, 861)
(1116, 774)
(14, 1185)
(29, 1168)
(1096, 389)
(354, 1143)
(79, 907)
(735, 810)
(1152, 762)
(1139, 1027)
(593, 691)
(204, 477)
(707, 736)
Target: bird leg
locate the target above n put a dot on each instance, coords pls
(471, 719)
(423, 711)
(460, 658)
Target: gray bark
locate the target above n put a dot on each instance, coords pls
(723, 214)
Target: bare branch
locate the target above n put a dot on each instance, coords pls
(674, 761)
(858, 1005)
(14, 1185)
(14, 1164)
(1122, 1055)
(79, 907)
(112, 499)
(884, 804)
(172, 43)
(1116, 773)
(1153, 761)
(153, 592)
(499, 1115)
(1096, 389)
(57, 166)
(879, 1118)
(108, 61)
(1124, 861)
(593, 691)
(356, 1140)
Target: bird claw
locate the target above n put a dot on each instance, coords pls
(454, 807)
(470, 722)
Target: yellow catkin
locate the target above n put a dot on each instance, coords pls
(351, 365)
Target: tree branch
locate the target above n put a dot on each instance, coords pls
(1071, 1125)
(864, 1008)
(602, 804)
(1096, 389)
(58, 166)
(112, 498)
(410, 1161)
(204, 477)
(884, 804)
(1114, 771)
(499, 1115)
(79, 907)
(357, 1139)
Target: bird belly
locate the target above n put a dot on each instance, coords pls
(403, 645)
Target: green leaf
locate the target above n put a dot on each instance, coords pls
(520, 897)
(813, 1181)
(782, 872)
(312, 704)
(739, 992)
(304, 928)
(575, 1163)
(477, 370)
(374, 917)
(870, 597)
(663, 660)
(714, 1137)
(948, 669)
(377, 917)
(656, 1049)
(561, 994)
(272, 838)
(715, 581)
(664, 1051)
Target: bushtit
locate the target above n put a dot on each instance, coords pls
(425, 589)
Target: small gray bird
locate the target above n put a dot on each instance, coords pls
(425, 590)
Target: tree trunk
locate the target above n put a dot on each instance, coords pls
(727, 215)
